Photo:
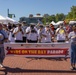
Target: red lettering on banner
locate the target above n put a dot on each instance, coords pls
(56, 51)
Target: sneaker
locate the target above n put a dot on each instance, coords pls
(72, 68)
(1, 66)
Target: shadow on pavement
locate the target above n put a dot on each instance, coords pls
(19, 70)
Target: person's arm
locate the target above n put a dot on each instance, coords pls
(15, 31)
(57, 31)
(39, 39)
(5, 37)
(28, 30)
(69, 36)
(21, 30)
(43, 35)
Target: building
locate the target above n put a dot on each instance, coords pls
(32, 19)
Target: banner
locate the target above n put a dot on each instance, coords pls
(38, 49)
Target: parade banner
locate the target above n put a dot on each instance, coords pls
(38, 49)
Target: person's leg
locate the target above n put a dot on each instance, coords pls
(2, 56)
(24, 39)
(18, 41)
(34, 41)
(72, 59)
(73, 56)
(61, 41)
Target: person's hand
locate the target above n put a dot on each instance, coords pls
(1, 42)
(0, 35)
(73, 36)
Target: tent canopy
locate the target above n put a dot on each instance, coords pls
(53, 23)
(72, 22)
(6, 20)
(60, 22)
(2, 19)
(9, 20)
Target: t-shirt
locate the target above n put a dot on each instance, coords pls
(33, 36)
(11, 39)
(19, 35)
(61, 31)
(44, 39)
(28, 29)
(72, 36)
(24, 30)
(61, 35)
(40, 33)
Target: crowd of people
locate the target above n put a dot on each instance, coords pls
(39, 33)
(22, 33)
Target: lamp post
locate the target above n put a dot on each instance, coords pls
(10, 15)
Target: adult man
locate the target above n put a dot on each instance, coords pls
(32, 35)
(18, 34)
(3, 38)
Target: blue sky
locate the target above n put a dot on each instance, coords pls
(25, 7)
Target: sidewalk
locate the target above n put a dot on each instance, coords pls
(17, 65)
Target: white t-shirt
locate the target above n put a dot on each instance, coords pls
(24, 30)
(10, 38)
(61, 35)
(19, 35)
(28, 29)
(48, 37)
(32, 36)
(42, 38)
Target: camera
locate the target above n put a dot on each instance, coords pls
(32, 26)
(13, 35)
(20, 29)
(33, 31)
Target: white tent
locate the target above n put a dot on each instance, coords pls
(60, 22)
(2, 19)
(72, 22)
(9, 20)
(6, 20)
(53, 23)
